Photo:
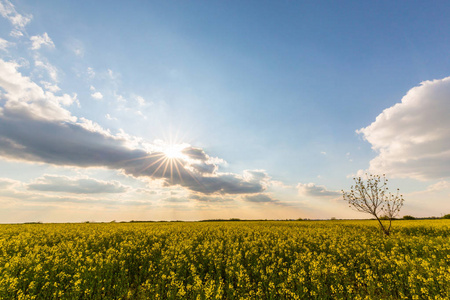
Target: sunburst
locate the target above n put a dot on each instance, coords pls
(168, 157)
(174, 151)
(171, 161)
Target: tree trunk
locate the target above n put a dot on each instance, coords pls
(383, 229)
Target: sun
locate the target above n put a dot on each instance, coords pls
(174, 151)
(167, 160)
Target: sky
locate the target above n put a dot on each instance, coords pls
(192, 110)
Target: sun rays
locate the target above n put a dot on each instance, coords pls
(174, 151)
(169, 161)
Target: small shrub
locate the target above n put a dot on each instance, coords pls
(408, 217)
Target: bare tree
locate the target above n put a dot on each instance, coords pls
(372, 196)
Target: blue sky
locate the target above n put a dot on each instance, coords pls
(267, 108)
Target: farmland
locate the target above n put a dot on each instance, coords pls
(226, 260)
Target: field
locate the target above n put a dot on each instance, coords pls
(226, 260)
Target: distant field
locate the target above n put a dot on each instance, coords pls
(226, 260)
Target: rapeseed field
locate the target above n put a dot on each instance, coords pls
(226, 260)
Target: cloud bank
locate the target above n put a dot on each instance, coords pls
(35, 126)
(260, 198)
(7, 183)
(55, 183)
(313, 190)
(412, 138)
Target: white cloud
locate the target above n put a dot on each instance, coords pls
(90, 71)
(51, 70)
(78, 50)
(210, 199)
(5, 44)
(97, 95)
(39, 40)
(112, 74)
(348, 157)
(16, 33)
(141, 114)
(412, 138)
(323, 152)
(260, 198)
(35, 127)
(146, 191)
(8, 11)
(175, 200)
(120, 98)
(428, 202)
(73, 190)
(108, 116)
(439, 186)
(56, 183)
(140, 100)
(313, 190)
(6, 183)
(26, 98)
(50, 86)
